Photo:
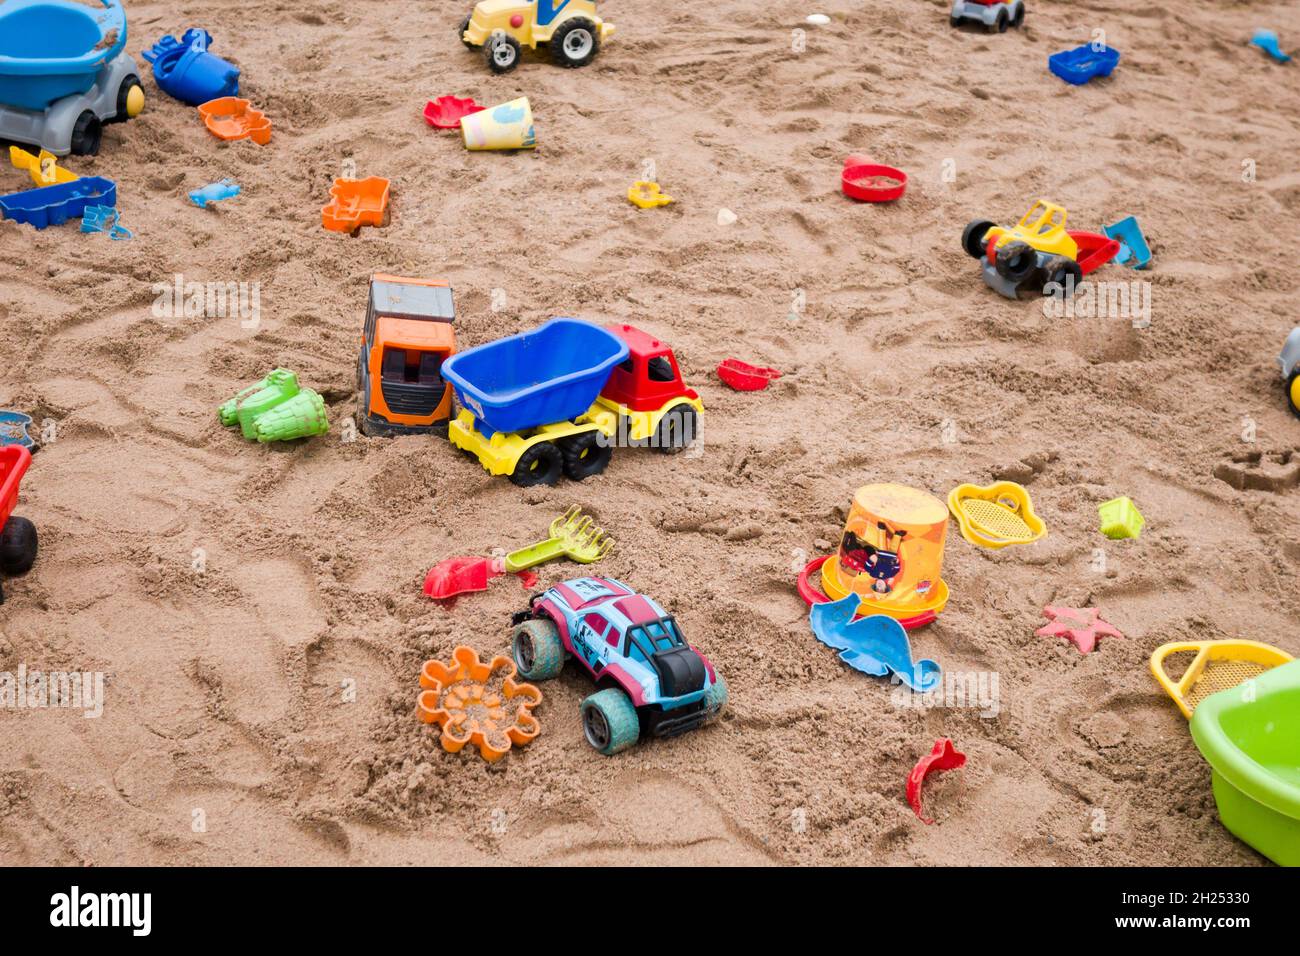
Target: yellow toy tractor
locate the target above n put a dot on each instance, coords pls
(569, 28)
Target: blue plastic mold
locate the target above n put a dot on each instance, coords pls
(1133, 249)
(214, 192)
(55, 205)
(186, 70)
(551, 374)
(50, 49)
(875, 645)
(105, 219)
(1081, 64)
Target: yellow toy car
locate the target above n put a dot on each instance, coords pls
(570, 29)
(1038, 244)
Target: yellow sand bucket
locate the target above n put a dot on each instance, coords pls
(891, 552)
(508, 126)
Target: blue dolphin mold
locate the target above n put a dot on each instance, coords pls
(876, 645)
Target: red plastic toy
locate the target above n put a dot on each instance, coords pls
(943, 757)
(744, 377)
(871, 182)
(813, 596)
(18, 538)
(446, 112)
(464, 575)
(649, 377)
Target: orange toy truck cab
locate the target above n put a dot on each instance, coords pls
(648, 378)
(407, 335)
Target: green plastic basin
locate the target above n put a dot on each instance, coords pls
(1250, 736)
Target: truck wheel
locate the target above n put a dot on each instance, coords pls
(1061, 270)
(574, 42)
(1019, 18)
(537, 649)
(999, 25)
(609, 721)
(1293, 393)
(972, 237)
(677, 430)
(585, 455)
(715, 698)
(86, 134)
(464, 25)
(1015, 261)
(540, 464)
(124, 100)
(17, 546)
(502, 52)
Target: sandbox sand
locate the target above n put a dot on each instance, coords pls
(226, 736)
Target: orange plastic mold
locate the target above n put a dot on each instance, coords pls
(230, 117)
(355, 203)
(477, 703)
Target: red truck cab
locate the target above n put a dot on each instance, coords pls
(648, 378)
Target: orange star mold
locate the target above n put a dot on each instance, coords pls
(478, 703)
(230, 117)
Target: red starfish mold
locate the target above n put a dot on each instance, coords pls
(1081, 625)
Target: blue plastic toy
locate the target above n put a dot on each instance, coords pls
(64, 74)
(13, 428)
(55, 205)
(551, 374)
(1133, 249)
(214, 192)
(875, 645)
(105, 219)
(1266, 40)
(186, 70)
(1081, 64)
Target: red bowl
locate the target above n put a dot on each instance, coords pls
(871, 182)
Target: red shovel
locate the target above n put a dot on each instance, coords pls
(744, 377)
(464, 575)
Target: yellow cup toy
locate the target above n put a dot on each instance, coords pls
(891, 552)
(508, 126)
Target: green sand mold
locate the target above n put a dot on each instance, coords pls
(1250, 736)
(276, 409)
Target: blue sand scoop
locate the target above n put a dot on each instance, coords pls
(1133, 249)
(1266, 40)
(876, 645)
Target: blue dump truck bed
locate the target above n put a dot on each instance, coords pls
(551, 374)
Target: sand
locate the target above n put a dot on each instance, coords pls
(257, 610)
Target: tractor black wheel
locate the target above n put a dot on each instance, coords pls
(972, 237)
(575, 42)
(540, 464)
(677, 430)
(1019, 18)
(999, 25)
(502, 52)
(86, 134)
(586, 455)
(1015, 261)
(1063, 271)
(464, 25)
(17, 546)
